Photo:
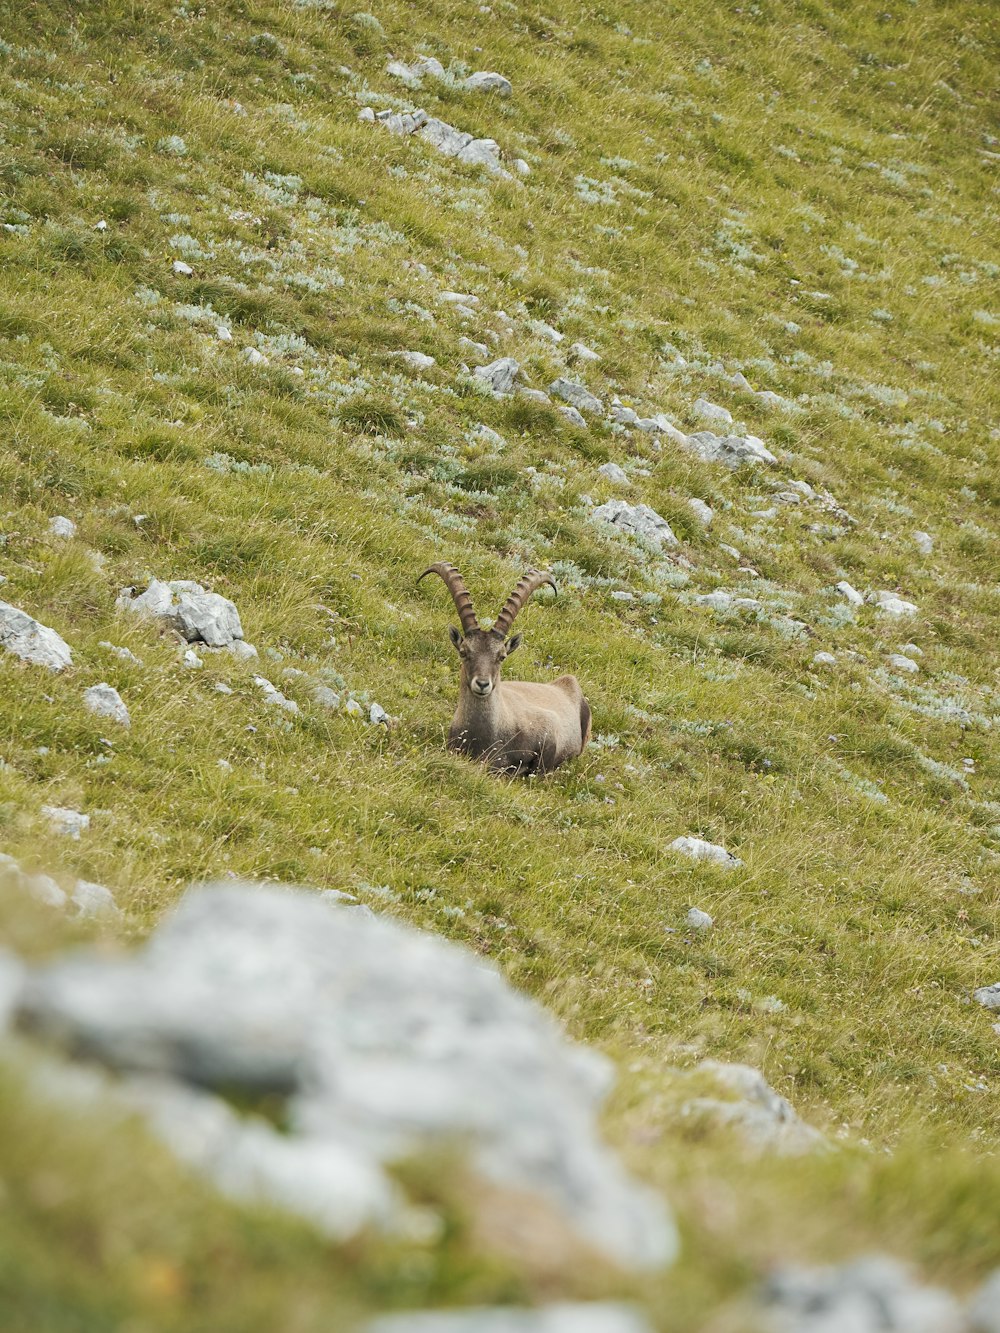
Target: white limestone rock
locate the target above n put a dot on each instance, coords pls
(181, 269)
(581, 352)
(891, 604)
(984, 1308)
(765, 1120)
(565, 1317)
(900, 662)
(703, 512)
(824, 659)
(93, 900)
(924, 542)
(415, 360)
(699, 920)
(416, 71)
(501, 375)
(65, 821)
(730, 450)
(385, 1040)
(700, 850)
(273, 696)
(638, 520)
(988, 996)
(624, 416)
(712, 412)
(614, 473)
(62, 527)
(849, 593)
(32, 641)
(104, 701)
(577, 395)
(488, 81)
(200, 616)
(574, 417)
(874, 1294)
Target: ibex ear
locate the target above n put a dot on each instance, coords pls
(455, 635)
(513, 644)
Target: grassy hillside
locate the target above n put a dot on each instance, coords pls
(798, 192)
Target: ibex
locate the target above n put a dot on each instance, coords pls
(513, 726)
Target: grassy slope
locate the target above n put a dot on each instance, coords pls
(755, 159)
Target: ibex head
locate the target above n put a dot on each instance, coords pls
(483, 651)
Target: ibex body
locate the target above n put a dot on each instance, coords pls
(513, 726)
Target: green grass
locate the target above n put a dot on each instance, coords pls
(750, 191)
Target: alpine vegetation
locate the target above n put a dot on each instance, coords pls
(517, 727)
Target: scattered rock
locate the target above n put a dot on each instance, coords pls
(988, 996)
(566, 1317)
(181, 269)
(377, 714)
(924, 542)
(93, 900)
(62, 527)
(899, 662)
(639, 520)
(32, 641)
(414, 73)
(574, 417)
(537, 396)
(488, 81)
(500, 375)
(614, 473)
(191, 660)
(200, 616)
(44, 889)
(353, 709)
(581, 352)
(124, 654)
(875, 1294)
(367, 114)
(891, 604)
(699, 920)
(730, 450)
(712, 412)
(703, 512)
(69, 823)
(851, 594)
(700, 850)
(104, 701)
(445, 138)
(253, 357)
(241, 650)
(415, 360)
(479, 350)
(721, 600)
(576, 395)
(984, 1307)
(766, 1121)
(326, 697)
(273, 696)
(384, 1039)
(824, 659)
(624, 416)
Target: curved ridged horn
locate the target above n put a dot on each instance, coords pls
(459, 592)
(527, 584)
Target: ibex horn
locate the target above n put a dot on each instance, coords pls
(459, 592)
(528, 583)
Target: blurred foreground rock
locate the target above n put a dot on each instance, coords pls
(600, 1317)
(382, 1040)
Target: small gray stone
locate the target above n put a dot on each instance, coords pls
(123, 654)
(625, 416)
(367, 114)
(32, 641)
(899, 662)
(488, 81)
(500, 375)
(273, 696)
(766, 1121)
(700, 850)
(93, 900)
(874, 1294)
(207, 618)
(377, 714)
(473, 348)
(536, 395)
(614, 473)
(988, 996)
(574, 417)
(44, 889)
(69, 823)
(703, 512)
(730, 450)
(566, 1317)
(581, 352)
(824, 659)
(712, 412)
(416, 360)
(241, 650)
(699, 920)
(104, 701)
(639, 520)
(924, 542)
(62, 527)
(577, 395)
(984, 1307)
(891, 604)
(851, 594)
